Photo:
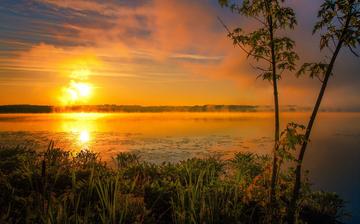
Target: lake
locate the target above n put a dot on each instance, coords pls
(333, 156)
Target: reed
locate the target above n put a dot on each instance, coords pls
(56, 186)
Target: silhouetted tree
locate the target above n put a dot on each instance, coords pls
(268, 48)
(340, 20)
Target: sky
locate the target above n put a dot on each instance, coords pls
(151, 52)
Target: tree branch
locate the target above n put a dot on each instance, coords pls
(260, 21)
(353, 51)
(259, 68)
(242, 47)
(322, 81)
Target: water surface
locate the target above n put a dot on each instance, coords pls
(333, 156)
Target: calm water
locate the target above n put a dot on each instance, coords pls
(333, 157)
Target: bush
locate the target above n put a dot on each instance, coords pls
(57, 187)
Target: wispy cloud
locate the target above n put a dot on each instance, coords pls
(144, 44)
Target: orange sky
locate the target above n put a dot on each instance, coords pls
(146, 52)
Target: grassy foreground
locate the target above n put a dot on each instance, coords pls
(57, 187)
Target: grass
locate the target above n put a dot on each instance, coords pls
(58, 187)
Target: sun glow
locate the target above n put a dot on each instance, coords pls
(78, 90)
(82, 89)
(84, 136)
(82, 127)
(80, 74)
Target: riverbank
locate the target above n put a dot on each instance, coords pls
(59, 187)
(111, 108)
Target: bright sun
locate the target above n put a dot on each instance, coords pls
(82, 89)
(77, 91)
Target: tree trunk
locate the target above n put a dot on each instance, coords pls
(297, 184)
(276, 108)
(277, 125)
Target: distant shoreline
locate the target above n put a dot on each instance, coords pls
(25, 108)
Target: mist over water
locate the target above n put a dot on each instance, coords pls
(332, 159)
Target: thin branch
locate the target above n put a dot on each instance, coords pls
(322, 81)
(330, 49)
(353, 51)
(242, 47)
(260, 21)
(259, 68)
(280, 73)
(339, 18)
(332, 38)
(228, 30)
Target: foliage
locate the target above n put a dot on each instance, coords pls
(125, 159)
(258, 44)
(330, 211)
(340, 23)
(268, 48)
(317, 70)
(332, 18)
(291, 137)
(81, 189)
(340, 20)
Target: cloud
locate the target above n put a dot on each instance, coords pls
(151, 41)
(52, 59)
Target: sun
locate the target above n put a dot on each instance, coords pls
(79, 89)
(76, 92)
(82, 89)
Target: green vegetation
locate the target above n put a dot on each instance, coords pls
(340, 22)
(273, 52)
(57, 187)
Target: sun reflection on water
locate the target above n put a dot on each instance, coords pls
(84, 136)
(81, 128)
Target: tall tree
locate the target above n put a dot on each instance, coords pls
(273, 52)
(340, 21)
